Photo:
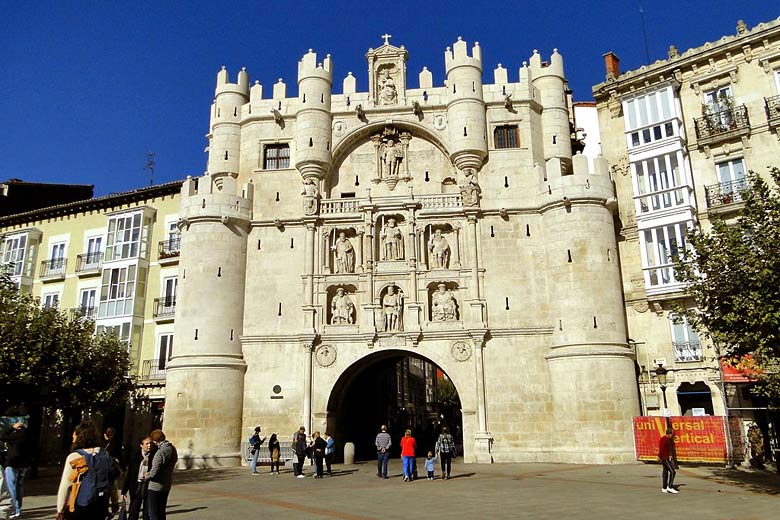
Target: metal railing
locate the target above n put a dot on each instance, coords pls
(89, 262)
(169, 248)
(715, 124)
(772, 106)
(84, 312)
(725, 192)
(53, 267)
(164, 307)
(152, 369)
(687, 351)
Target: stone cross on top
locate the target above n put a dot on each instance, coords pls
(387, 38)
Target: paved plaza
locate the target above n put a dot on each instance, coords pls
(531, 491)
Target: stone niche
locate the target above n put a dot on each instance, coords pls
(390, 315)
(443, 302)
(342, 305)
(343, 251)
(391, 243)
(440, 246)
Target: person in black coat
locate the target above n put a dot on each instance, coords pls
(318, 446)
(135, 484)
(16, 464)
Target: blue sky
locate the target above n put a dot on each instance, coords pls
(87, 88)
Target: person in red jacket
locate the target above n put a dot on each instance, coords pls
(408, 447)
(666, 456)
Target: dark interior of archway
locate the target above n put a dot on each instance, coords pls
(399, 391)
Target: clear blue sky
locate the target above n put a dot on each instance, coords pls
(87, 88)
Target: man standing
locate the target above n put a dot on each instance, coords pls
(383, 443)
(17, 462)
(666, 456)
(160, 476)
(255, 441)
(445, 447)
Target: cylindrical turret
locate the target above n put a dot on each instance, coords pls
(551, 82)
(591, 366)
(313, 120)
(466, 106)
(205, 378)
(225, 128)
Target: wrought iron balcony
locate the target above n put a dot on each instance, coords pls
(84, 312)
(89, 262)
(725, 192)
(152, 370)
(164, 307)
(724, 124)
(772, 106)
(53, 268)
(687, 352)
(169, 248)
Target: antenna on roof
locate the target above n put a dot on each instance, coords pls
(150, 166)
(644, 34)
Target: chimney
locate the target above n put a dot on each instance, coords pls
(612, 63)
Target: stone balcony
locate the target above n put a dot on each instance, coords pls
(443, 201)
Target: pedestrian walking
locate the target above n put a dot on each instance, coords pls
(300, 448)
(135, 483)
(275, 451)
(383, 443)
(255, 441)
(16, 464)
(86, 489)
(445, 449)
(408, 447)
(160, 475)
(430, 465)
(319, 445)
(329, 451)
(667, 458)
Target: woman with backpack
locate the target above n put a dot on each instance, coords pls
(86, 488)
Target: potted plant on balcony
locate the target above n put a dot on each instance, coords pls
(726, 198)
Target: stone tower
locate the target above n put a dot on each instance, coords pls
(205, 380)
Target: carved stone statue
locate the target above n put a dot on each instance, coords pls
(345, 254)
(391, 156)
(342, 310)
(392, 241)
(673, 52)
(392, 305)
(387, 91)
(444, 306)
(469, 187)
(440, 250)
(310, 194)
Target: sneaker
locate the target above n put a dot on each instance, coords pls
(301, 476)
(378, 475)
(255, 473)
(15, 515)
(672, 491)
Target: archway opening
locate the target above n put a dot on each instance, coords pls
(396, 389)
(695, 399)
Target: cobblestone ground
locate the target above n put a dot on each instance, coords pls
(529, 491)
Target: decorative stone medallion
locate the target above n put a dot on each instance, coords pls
(325, 355)
(439, 122)
(460, 351)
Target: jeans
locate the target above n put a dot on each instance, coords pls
(446, 464)
(158, 501)
(298, 467)
(668, 473)
(408, 466)
(381, 463)
(253, 464)
(14, 480)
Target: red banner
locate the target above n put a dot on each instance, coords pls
(696, 439)
(739, 369)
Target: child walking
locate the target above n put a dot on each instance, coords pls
(430, 465)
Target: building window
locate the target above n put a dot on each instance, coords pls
(650, 118)
(51, 300)
(506, 136)
(685, 339)
(164, 351)
(660, 246)
(276, 156)
(117, 290)
(124, 237)
(120, 331)
(13, 254)
(659, 183)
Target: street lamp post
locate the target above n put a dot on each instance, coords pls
(661, 373)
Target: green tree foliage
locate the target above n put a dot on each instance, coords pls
(48, 358)
(733, 276)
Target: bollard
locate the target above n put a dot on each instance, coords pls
(349, 453)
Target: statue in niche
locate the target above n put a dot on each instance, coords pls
(440, 250)
(387, 91)
(310, 194)
(392, 305)
(392, 241)
(345, 254)
(443, 305)
(342, 309)
(391, 155)
(469, 187)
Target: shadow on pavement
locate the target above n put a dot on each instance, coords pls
(756, 481)
(205, 475)
(171, 511)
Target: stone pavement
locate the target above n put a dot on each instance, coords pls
(528, 491)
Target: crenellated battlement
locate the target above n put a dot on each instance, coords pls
(589, 179)
(216, 196)
(539, 68)
(224, 86)
(309, 68)
(458, 56)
